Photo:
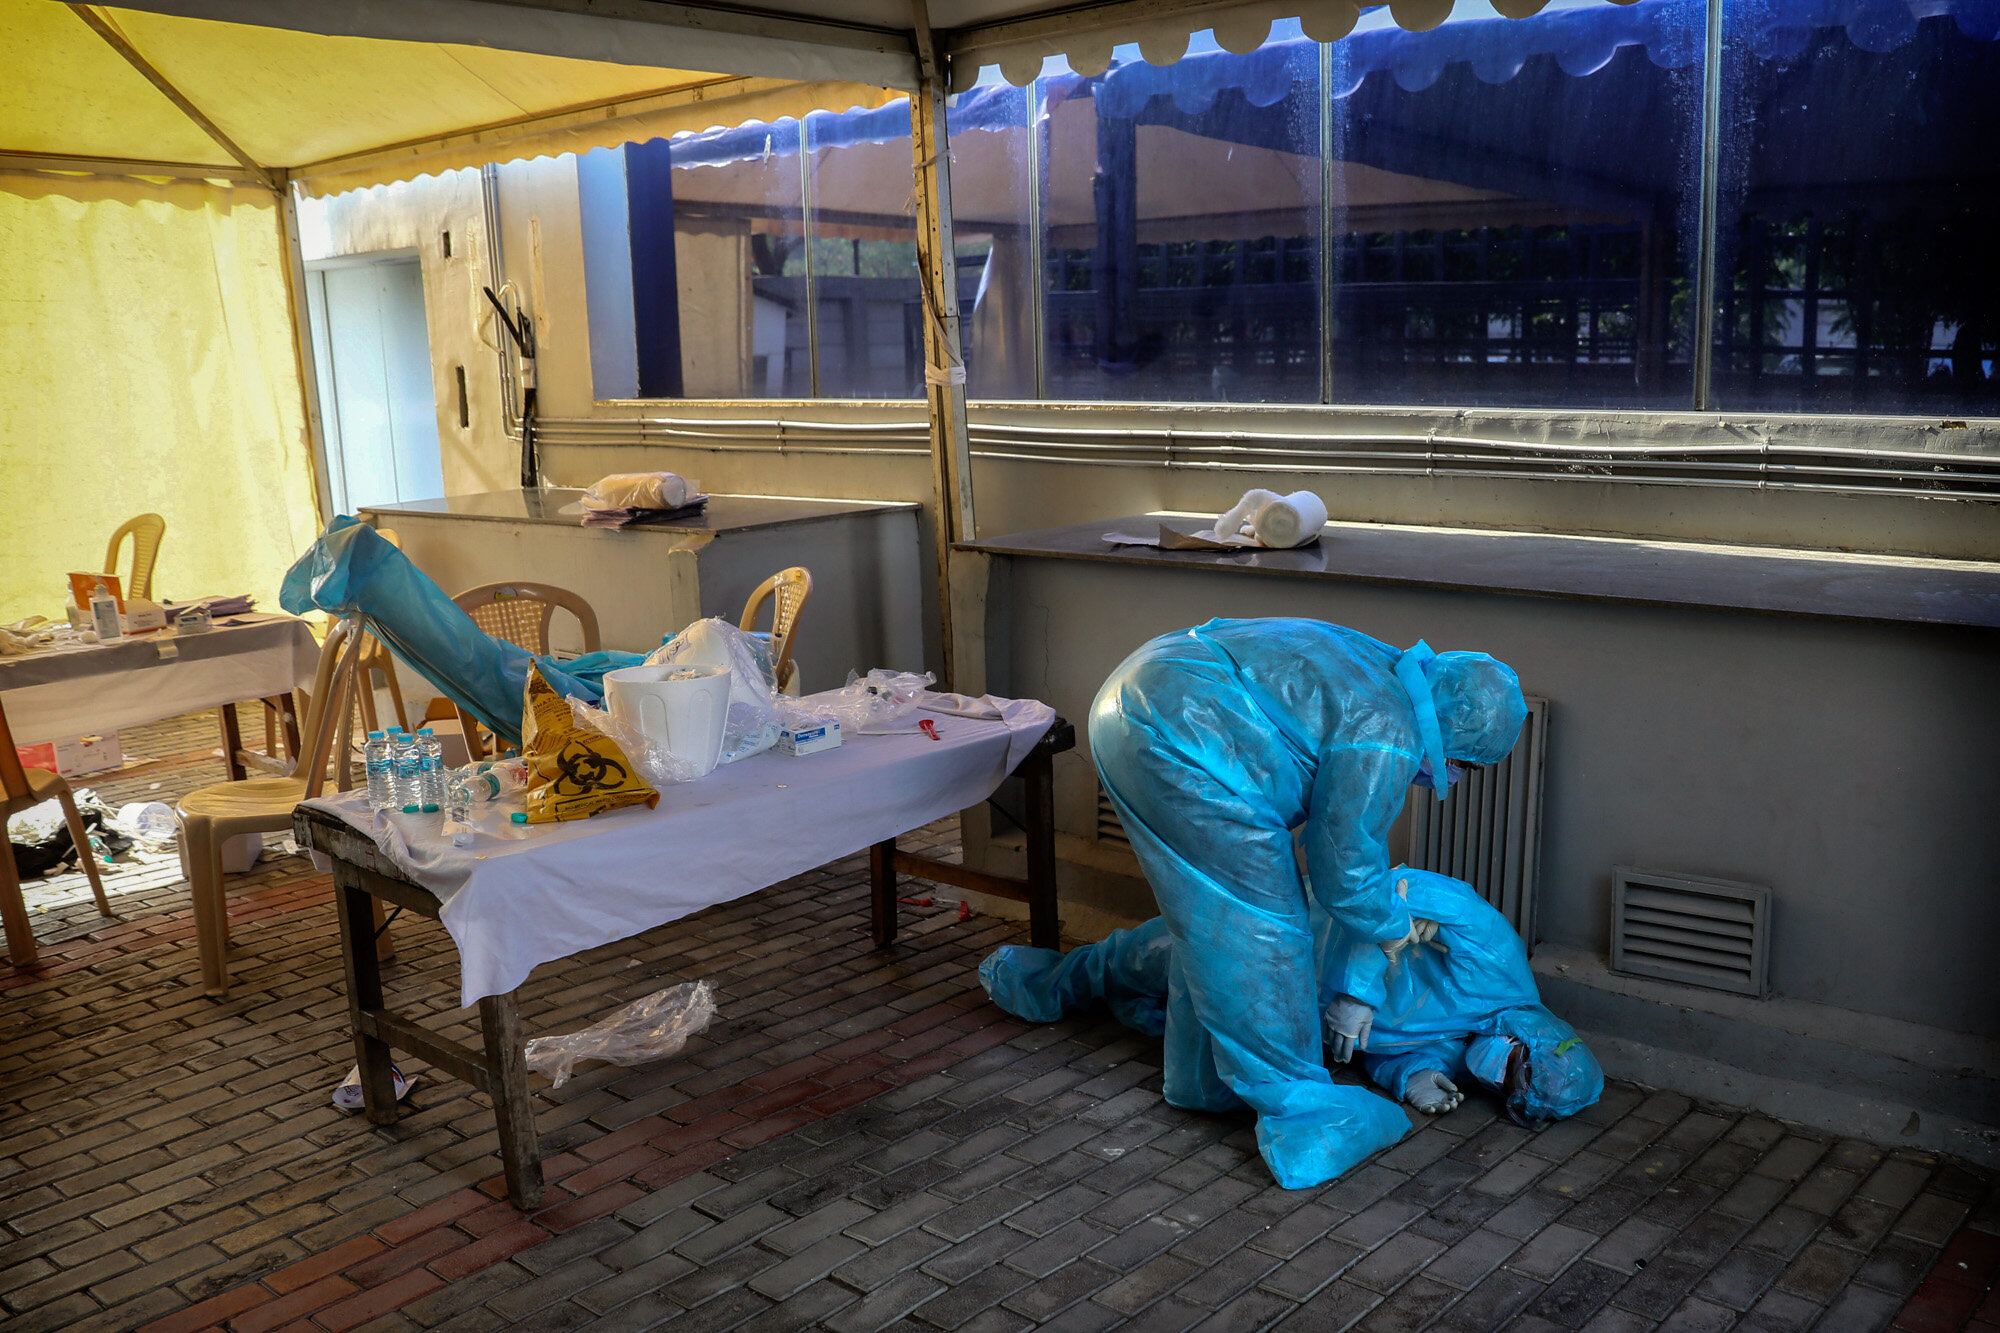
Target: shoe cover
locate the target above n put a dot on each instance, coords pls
(1312, 1133)
(353, 570)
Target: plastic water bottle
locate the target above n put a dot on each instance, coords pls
(407, 766)
(430, 755)
(381, 784)
(457, 809)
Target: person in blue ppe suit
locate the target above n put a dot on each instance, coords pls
(1214, 744)
(1455, 1002)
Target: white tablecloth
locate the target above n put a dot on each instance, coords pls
(102, 687)
(552, 890)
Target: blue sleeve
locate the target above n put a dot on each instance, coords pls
(1357, 794)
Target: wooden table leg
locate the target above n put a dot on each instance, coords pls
(520, 1145)
(232, 741)
(1038, 777)
(364, 992)
(882, 892)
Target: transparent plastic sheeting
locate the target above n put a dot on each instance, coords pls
(352, 570)
(1441, 1005)
(639, 1033)
(1214, 744)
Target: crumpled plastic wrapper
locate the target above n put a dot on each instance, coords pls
(877, 702)
(659, 765)
(644, 1030)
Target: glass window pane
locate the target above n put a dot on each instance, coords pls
(1856, 263)
(866, 296)
(738, 307)
(1514, 207)
(991, 179)
(1181, 205)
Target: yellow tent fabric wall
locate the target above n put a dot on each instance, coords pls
(148, 364)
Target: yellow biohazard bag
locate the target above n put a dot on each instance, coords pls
(572, 773)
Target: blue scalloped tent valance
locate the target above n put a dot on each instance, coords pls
(1581, 40)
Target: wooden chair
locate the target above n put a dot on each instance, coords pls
(145, 532)
(520, 613)
(21, 788)
(790, 588)
(210, 816)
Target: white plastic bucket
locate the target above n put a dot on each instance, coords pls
(685, 716)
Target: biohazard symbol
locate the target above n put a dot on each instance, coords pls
(581, 770)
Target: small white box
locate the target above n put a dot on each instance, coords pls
(89, 754)
(809, 737)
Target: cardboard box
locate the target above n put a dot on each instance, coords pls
(76, 756)
(809, 737)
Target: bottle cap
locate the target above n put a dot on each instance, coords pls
(423, 731)
(430, 808)
(374, 735)
(412, 810)
(519, 816)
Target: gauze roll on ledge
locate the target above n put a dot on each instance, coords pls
(1269, 519)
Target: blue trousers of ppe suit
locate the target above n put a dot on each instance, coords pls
(1213, 745)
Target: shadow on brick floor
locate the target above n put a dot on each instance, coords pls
(859, 1142)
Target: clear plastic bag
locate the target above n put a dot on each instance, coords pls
(644, 1030)
(639, 490)
(656, 762)
(753, 687)
(876, 702)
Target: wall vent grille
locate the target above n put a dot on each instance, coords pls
(1489, 832)
(1109, 830)
(1701, 932)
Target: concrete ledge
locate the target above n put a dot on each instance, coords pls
(1849, 1073)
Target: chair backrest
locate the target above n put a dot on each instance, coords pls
(790, 588)
(145, 531)
(520, 612)
(13, 779)
(329, 722)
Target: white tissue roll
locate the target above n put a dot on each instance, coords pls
(1290, 520)
(1242, 517)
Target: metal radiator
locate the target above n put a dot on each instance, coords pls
(1489, 833)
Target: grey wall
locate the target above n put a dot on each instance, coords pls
(1850, 767)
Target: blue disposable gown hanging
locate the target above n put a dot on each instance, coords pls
(352, 570)
(1460, 1004)
(1214, 744)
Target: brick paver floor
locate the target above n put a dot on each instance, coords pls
(860, 1141)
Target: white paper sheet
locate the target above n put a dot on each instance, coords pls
(513, 902)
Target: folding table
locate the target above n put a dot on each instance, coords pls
(145, 677)
(511, 903)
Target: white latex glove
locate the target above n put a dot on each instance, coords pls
(1421, 932)
(1347, 1024)
(1431, 1092)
